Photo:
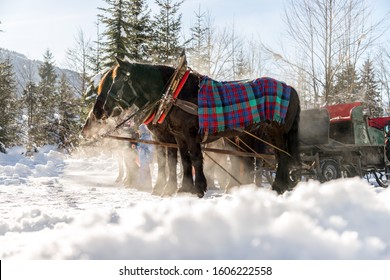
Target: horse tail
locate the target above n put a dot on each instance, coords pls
(293, 133)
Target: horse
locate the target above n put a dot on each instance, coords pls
(96, 124)
(121, 151)
(143, 84)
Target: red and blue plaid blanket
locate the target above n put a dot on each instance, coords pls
(232, 105)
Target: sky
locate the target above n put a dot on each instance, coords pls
(32, 27)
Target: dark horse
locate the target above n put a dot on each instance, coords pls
(96, 122)
(143, 84)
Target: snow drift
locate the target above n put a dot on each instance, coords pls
(55, 206)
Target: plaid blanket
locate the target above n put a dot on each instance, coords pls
(232, 105)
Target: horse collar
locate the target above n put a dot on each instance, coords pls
(169, 99)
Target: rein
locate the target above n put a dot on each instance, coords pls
(145, 107)
(269, 144)
(213, 150)
(108, 133)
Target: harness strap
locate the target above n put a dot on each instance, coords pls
(174, 96)
(181, 84)
(186, 106)
(149, 118)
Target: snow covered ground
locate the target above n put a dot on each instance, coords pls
(56, 206)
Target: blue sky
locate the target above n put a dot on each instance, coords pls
(31, 27)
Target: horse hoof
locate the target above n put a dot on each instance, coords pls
(170, 190)
(200, 194)
(157, 191)
(279, 188)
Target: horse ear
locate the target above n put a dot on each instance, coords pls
(120, 62)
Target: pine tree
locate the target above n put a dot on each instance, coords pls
(68, 122)
(167, 26)
(369, 87)
(346, 88)
(197, 53)
(241, 70)
(46, 108)
(8, 104)
(30, 100)
(95, 55)
(140, 30)
(115, 42)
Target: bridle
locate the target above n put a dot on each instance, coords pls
(118, 96)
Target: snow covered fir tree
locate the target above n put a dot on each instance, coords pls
(369, 87)
(9, 127)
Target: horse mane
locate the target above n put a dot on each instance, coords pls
(103, 80)
(114, 71)
(142, 65)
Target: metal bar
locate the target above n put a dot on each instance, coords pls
(220, 166)
(172, 145)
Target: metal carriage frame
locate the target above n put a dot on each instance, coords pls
(342, 141)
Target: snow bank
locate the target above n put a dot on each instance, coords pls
(69, 208)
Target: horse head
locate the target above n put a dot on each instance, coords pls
(97, 116)
(121, 94)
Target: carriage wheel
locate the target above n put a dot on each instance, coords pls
(349, 171)
(330, 170)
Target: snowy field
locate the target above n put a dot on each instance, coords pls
(56, 206)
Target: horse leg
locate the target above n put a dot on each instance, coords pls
(197, 162)
(120, 176)
(130, 167)
(235, 172)
(118, 155)
(290, 141)
(187, 182)
(221, 175)
(210, 172)
(281, 182)
(161, 169)
(171, 186)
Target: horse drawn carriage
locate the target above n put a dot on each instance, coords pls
(335, 141)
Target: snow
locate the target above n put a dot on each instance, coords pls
(57, 206)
